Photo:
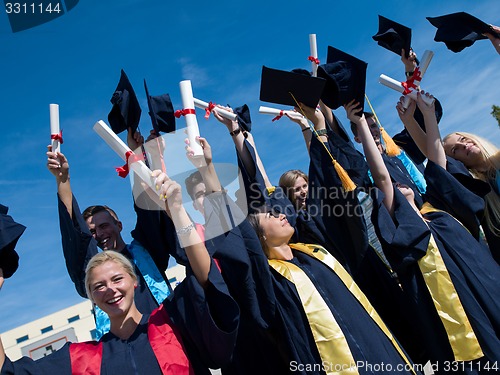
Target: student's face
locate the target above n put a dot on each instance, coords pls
(276, 228)
(112, 288)
(406, 191)
(199, 192)
(463, 149)
(106, 230)
(374, 129)
(300, 192)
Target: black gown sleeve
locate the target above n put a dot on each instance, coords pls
(405, 237)
(207, 319)
(57, 363)
(446, 193)
(77, 243)
(156, 232)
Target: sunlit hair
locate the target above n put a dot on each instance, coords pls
(103, 257)
(491, 154)
(92, 210)
(287, 182)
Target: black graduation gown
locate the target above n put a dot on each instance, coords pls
(240, 257)
(400, 174)
(207, 321)
(474, 274)
(366, 341)
(346, 237)
(478, 187)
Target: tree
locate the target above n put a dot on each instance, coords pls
(496, 113)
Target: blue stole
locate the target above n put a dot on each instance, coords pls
(152, 276)
(415, 174)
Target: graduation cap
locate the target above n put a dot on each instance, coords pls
(346, 79)
(289, 88)
(10, 232)
(126, 111)
(393, 36)
(161, 112)
(243, 117)
(460, 30)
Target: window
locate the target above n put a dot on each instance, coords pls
(73, 318)
(21, 339)
(47, 329)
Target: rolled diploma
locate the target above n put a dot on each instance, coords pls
(203, 105)
(54, 126)
(118, 146)
(192, 124)
(314, 53)
(425, 61)
(396, 85)
(276, 112)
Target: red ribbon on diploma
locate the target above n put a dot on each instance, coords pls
(184, 112)
(57, 137)
(130, 157)
(279, 116)
(409, 85)
(209, 109)
(313, 59)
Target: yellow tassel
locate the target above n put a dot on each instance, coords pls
(391, 148)
(347, 183)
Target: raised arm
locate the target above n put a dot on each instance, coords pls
(435, 149)
(379, 171)
(205, 166)
(304, 126)
(196, 252)
(411, 125)
(238, 135)
(58, 165)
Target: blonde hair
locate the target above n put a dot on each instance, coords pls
(103, 257)
(287, 182)
(491, 155)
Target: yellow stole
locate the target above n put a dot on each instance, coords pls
(461, 336)
(328, 336)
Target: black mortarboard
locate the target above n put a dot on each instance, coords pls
(346, 79)
(243, 117)
(10, 231)
(281, 87)
(406, 142)
(126, 111)
(393, 36)
(460, 30)
(161, 112)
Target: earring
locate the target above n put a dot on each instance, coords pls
(264, 238)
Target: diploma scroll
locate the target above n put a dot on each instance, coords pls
(424, 62)
(226, 114)
(277, 112)
(314, 53)
(55, 132)
(192, 124)
(118, 146)
(398, 86)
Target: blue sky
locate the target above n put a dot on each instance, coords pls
(75, 61)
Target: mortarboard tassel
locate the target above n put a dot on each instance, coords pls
(391, 148)
(347, 183)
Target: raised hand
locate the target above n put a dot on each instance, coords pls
(57, 164)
